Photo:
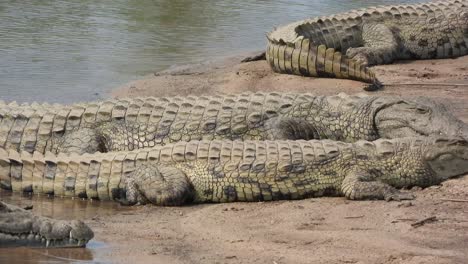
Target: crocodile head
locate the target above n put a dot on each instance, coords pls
(447, 157)
(418, 117)
(19, 227)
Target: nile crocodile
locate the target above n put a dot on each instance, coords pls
(227, 171)
(19, 227)
(369, 36)
(127, 124)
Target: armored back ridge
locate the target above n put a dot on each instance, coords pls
(127, 124)
(343, 45)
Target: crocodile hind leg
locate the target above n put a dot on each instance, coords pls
(359, 185)
(380, 46)
(290, 128)
(83, 140)
(159, 185)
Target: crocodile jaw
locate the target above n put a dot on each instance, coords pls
(36, 240)
(19, 227)
(420, 117)
(448, 158)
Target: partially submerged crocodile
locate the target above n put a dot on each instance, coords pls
(226, 171)
(19, 227)
(127, 124)
(369, 36)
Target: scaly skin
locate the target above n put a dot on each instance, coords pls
(227, 171)
(19, 228)
(127, 124)
(369, 36)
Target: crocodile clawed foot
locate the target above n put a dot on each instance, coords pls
(358, 55)
(362, 59)
(120, 196)
(377, 85)
(125, 202)
(398, 196)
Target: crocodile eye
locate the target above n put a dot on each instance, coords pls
(422, 110)
(446, 157)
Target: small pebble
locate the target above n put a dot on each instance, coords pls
(405, 204)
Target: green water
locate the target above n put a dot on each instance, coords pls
(78, 50)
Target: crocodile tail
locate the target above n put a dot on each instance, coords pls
(306, 59)
(5, 180)
(61, 175)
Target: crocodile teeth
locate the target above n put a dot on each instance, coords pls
(81, 242)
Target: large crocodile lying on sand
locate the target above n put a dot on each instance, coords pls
(127, 124)
(19, 227)
(369, 36)
(227, 171)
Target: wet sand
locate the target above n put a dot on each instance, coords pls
(321, 230)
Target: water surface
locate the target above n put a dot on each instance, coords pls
(77, 50)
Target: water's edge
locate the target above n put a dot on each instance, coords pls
(70, 51)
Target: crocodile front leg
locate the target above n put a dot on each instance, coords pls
(290, 128)
(159, 185)
(361, 185)
(380, 46)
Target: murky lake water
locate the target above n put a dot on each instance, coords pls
(69, 51)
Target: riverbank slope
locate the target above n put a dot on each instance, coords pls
(325, 230)
(409, 78)
(321, 230)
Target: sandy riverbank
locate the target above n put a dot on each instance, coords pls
(323, 230)
(328, 230)
(230, 76)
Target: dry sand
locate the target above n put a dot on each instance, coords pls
(322, 230)
(325, 230)
(229, 76)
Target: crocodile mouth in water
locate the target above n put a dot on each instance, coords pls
(19, 227)
(32, 239)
